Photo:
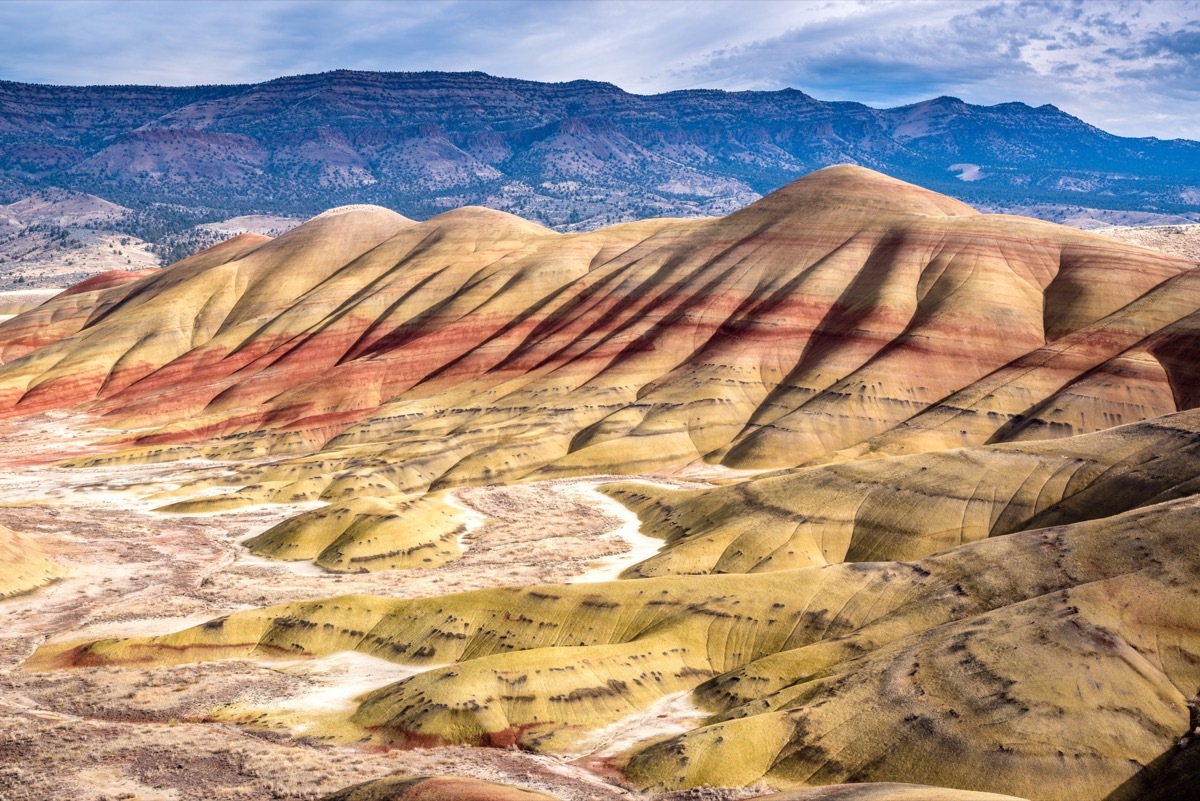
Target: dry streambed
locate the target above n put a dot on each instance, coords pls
(160, 732)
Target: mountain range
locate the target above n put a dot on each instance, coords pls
(572, 156)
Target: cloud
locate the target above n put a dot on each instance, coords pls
(1126, 66)
(876, 54)
(1121, 65)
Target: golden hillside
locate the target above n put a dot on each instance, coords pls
(974, 654)
(23, 566)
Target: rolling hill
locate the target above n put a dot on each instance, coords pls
(392, 357)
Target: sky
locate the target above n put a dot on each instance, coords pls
(1132, 68)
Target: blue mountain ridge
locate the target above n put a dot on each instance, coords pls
(571, 155)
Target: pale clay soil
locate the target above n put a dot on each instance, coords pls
(147, 733)
(1178, 240)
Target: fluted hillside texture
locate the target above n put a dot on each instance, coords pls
(948, 538)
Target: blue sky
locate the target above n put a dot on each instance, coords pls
(1132, 68)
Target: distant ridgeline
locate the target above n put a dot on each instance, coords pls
(572, 155)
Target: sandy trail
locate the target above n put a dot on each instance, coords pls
(638, 547)
(673, 714)
(151, 732)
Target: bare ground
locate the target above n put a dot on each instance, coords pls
(152, 733)
(1178, 240)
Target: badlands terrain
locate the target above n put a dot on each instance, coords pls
(854, 493)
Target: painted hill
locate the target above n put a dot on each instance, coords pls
(25, 567)
(452, 788)
(1008, 653)
(845, 311)
(971, 564)
(909, 506)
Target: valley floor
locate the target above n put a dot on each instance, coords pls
(156, 732)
